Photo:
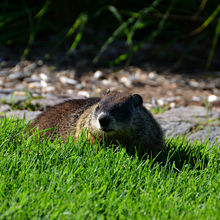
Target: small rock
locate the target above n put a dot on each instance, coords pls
(32, 79)
(70, 91)
(154, 103)
(194, 84)
(34, 85)
(18, 76)
(160, 102)
(84, 93)
(43, 76)
(43, 84)
(19, 93)
(126, 81)
(79, 86)
(30, 67)
(98, 74)
(212, 98)
(3, 63)
(172, 105)
(4, 73)
(172, 99)
(48, 89)
(152, 75)
(66, 80)
(4, 108)
(106, 82)
(196, 99)
(40, 62)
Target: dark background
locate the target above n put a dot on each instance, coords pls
(175, 33)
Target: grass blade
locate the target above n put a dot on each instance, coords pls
(214, 43)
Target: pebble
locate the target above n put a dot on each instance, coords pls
(70, 91)
(48, 89)
(160, 102)
(19, 93)
(98, 74)
(106, 82)
(66, 80)
(79, 86)
(172, 105)
(172, 99)
(43, 76)
(196, 98)
(18, 76)
(4, 108)
(212, 98)
(4, 73)
(83, 93)
(126, 81)
(43, 84)
(194, 84)
(40, 62)
(152, 75)
(30, 67)
(33, 85)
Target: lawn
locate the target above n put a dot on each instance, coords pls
(40, 179)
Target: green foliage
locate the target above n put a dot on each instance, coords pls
(40, 179)
(139, 23)
(159, 109)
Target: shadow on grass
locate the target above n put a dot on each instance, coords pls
(179, 152)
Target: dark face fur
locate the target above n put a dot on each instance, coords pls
(115, 111)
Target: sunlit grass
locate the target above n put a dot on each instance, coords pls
(40, 179)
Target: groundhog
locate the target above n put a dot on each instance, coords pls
(117, 117)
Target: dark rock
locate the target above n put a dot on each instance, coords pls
(174, 129)
(9, 98)
(210, 134)
(187, 114)
(50, 100)
(28, 115)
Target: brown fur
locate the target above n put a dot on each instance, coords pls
(132, 122)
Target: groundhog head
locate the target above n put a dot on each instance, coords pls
(114, 113)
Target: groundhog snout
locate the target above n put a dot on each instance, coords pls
(104, 121)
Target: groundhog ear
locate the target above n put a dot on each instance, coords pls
(137, 99)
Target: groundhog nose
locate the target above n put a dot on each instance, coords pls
(104, 121)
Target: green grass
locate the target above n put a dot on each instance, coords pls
(40, 179)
